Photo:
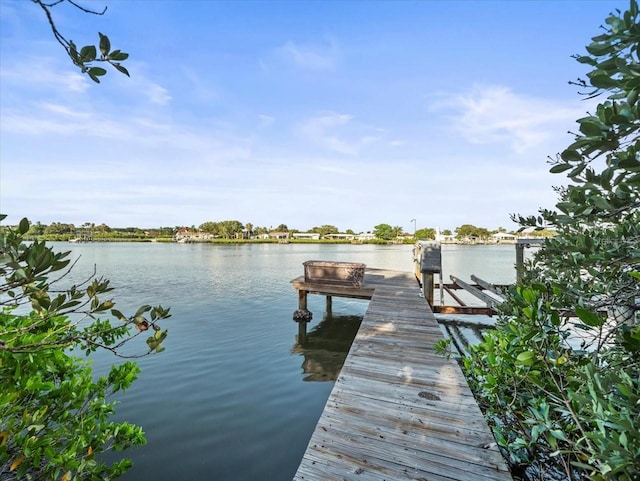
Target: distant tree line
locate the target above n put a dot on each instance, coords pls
(234, 229)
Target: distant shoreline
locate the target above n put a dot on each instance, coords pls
(168, 240)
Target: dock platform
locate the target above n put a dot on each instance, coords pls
(398, 411)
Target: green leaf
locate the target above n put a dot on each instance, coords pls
(558, 168)
(558, 434)
(571, 156)
(603, 81)
(120, 68)
(629, 163)
(577, 171)
(142, 310)
(607, 175)
(602, 203)
(618, 120)
(118, 55)
(88, 53)
(23, 227)
(598, 49)
(97, 71)
(587, 60)
(623, 440)
(590, 128)
(589, 318)
(117, 314)
(105, 45)
(526, 357)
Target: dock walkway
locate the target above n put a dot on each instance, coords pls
(398, 411)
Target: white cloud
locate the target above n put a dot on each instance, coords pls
(311, 57)
(201, 87)
(338, 132)
(265, 121)
(327, 166)
(322, 130)
(140, 85)
(496, 114)
(157, 94)
(50, 74)
(58, 78)
(141, 131)
(65, 111)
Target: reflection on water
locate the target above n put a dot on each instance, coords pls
(327, 347)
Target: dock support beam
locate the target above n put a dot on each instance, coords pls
(427, 258)
(329, 306)
(519, 262)
(427, 286)
(302, 300)
(520, 247)
(302, 316)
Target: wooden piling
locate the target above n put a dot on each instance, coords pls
(302, 299)
(427, 287)
(519, 262)
(427, 259)
(520, 246)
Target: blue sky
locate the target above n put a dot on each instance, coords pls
(349, 113)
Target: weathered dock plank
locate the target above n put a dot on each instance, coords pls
(398, 411)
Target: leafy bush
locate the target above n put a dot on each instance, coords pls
(552, 403)
(560, 379)
(54, 417)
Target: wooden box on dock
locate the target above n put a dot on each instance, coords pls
(332, 272)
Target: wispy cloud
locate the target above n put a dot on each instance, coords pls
(157, 94)
(56, 77)
(496, 114)
(265, 121)
(324, 131)
(50, 74)
(65, 111)
(197, 147)
(321, 56)
(201, 87)
(341, 133)
(141, 85)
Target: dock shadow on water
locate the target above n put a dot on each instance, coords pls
(327, 346)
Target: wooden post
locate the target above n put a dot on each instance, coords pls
(519, 262)
(521, 245)
(427, 286)
(429, 257)
(302, 300)
(302, 316)
(329, 307)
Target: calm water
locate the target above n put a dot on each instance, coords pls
(232, 398)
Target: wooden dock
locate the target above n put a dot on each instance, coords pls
(398, 411)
